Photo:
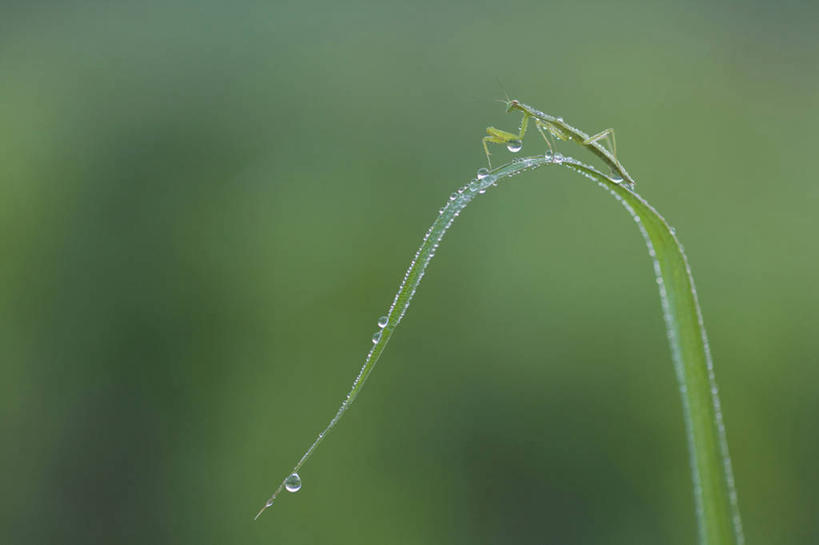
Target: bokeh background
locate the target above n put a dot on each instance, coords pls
(204, 207)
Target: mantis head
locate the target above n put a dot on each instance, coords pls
(511, 104)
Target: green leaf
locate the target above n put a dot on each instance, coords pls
(715, 498)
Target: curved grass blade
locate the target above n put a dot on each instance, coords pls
(715, 497)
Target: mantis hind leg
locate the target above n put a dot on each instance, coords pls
(607, 134)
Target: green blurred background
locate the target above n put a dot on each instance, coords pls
(204, 207)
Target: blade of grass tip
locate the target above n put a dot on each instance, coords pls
(715, 497)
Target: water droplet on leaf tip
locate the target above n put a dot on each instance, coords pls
(514, 145)
(382, 322)
(292, 483)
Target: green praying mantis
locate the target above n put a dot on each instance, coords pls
(560, 130)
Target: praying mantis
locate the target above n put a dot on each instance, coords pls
(558, 129)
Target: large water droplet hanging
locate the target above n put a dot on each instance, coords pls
(292, 483)
(382, 322)
(514, 145)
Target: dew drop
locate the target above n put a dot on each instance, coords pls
(548, 156)
(376, 336)
(382, 322)
(557, 158)
(292, 483)
(482, 173)
(453, 196)
(514, 145)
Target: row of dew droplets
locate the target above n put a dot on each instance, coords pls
(409, 284)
